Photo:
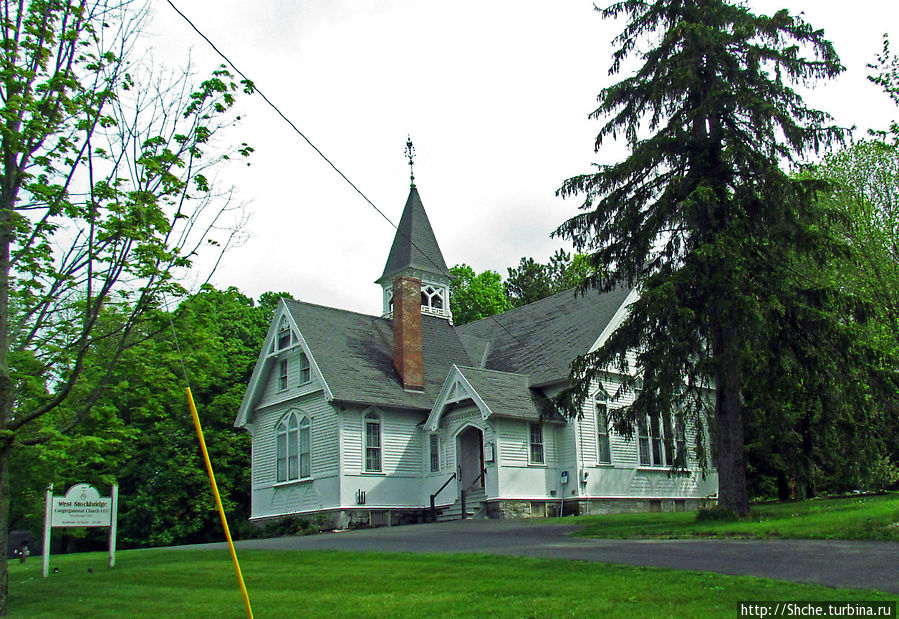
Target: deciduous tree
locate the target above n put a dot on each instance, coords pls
(476, 295)
(105, 194)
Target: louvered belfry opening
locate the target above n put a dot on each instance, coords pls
(407, 356)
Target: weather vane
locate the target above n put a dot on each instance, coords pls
(410, 154)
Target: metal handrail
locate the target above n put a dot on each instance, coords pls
(477, 479)
(464, 493)
(434, 496)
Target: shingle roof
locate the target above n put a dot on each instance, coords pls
(526, 347)
(542, 338)
(414, 245)
(508, 395)
(355, 355)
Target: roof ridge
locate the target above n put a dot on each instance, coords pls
(328, 307)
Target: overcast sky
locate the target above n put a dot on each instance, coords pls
(495, 95)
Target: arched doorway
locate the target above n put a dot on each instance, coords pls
(470, 457)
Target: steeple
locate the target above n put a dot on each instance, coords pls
(416, 254)
(414, 245)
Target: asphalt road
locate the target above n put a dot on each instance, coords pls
(836, 563)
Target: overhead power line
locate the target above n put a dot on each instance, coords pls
(321, 154)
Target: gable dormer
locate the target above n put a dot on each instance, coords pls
(286, 367)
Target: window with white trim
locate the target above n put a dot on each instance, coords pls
(293, 448)
(305, 447)
(603, 445)
(434, 449)
(680, 445)
(537, 456)
(305, 369)
(283, 334)
(373, 442)
(282, 375)
(653, 450)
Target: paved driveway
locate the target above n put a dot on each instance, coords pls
(865, 565)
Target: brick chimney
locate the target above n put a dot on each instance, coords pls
(407, 357)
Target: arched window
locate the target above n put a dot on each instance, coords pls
(305, 447)
(373, 442)
(293, 447)
(603, 447)
(283, 334)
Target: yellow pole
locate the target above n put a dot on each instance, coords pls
(218, 501)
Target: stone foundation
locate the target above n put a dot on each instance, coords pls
(328, 520)
(507, 509)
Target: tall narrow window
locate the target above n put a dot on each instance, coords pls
(653, 440)
(305, 370)
(281, 449)
(305, 447)
(434, 444)
(283, 335)
(537, 444)
(372, 442)
(282, 374)
(603, 448)
(292, 448)
(680, 445)
(643, 443)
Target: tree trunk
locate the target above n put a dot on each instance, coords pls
(4, 526)
(6, 387)
(732, 490)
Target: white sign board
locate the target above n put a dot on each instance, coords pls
(82, 506)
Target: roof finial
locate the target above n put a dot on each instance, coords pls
(410, 154)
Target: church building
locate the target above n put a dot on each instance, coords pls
(373, 419)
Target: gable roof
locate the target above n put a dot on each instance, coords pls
(542, 338)
(355, 352)
(414, 246)
(265, 362)
(509, 395)
(496, 394)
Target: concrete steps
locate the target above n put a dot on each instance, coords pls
(475, 507)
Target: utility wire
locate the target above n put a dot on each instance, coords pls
(321, 154)
(300, 133)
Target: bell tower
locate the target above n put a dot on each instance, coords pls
(416, 283)
(416, 254)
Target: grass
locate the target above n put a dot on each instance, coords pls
(857, 518)
(192, 583)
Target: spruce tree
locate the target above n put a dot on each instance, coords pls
(701, 217)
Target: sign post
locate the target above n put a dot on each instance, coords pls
(82, 506)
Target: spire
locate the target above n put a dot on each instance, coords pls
(414, 246)
(415, 258)
(410, 154)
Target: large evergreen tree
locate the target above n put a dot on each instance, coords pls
(700, 217)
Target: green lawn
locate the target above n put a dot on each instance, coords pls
(192, 583)
(859, 517)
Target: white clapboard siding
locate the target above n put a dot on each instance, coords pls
(401, 439)
(351, 437)
(325, 448)
(514, 442)
(272, 392)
